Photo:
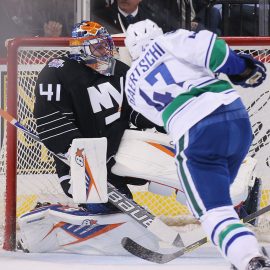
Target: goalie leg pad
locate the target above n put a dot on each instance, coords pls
(135, 157)
(34, 231)
(150, 156)
(61, 227)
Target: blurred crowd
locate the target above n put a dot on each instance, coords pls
(55, 18)
(29, 18)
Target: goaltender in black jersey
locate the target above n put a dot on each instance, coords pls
(82, 96)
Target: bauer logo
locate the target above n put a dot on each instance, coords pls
(79, 157)
(57, 63)
(130, 209)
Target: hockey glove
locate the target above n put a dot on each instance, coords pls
(65, 184)
(254, 74)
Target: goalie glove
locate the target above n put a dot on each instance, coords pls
(254, 74)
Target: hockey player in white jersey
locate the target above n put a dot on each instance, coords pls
(172, 81)
(59, 224)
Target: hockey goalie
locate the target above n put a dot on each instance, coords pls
(142, 154)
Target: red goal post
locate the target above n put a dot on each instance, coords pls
(18, 57)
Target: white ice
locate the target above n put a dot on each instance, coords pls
(204, 258)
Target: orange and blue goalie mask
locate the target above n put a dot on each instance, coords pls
(92, 44)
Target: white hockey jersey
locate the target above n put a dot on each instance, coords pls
(173, 82)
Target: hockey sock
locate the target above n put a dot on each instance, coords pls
(235, 241)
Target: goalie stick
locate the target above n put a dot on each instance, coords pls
(119, 200)
(161, 258)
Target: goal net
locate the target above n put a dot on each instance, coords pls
(27, 172)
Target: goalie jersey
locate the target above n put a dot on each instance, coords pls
(175, 77)
(75, 101)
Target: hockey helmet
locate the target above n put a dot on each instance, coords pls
(92, 44)
(139, 35)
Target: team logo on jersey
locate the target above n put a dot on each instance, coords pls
(57, 63)
(79, 158)
(102, 97)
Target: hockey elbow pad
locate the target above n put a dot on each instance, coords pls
(254, 74)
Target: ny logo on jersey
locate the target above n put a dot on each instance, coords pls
(101, 97)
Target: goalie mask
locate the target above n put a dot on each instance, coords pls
(92, 43)
(139, 35)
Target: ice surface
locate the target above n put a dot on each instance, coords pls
(203, 258)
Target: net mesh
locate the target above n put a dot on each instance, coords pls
(37, 180)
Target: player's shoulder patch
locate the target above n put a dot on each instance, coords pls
(56, 63)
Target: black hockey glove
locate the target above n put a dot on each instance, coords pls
(65, 184)
(254, 74)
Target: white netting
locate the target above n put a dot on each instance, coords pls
(258, 106)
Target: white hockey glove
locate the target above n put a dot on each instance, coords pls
(254, 74)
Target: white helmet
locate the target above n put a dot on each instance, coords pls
(139, 35)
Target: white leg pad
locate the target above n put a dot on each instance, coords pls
(59, 227)
(146, 155)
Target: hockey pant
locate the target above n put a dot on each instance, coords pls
(208, 157)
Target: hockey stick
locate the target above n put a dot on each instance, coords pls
(119, 200)
(152, 256)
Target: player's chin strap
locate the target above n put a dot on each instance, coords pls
(128, 206)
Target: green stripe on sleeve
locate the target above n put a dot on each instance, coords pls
(218, 54)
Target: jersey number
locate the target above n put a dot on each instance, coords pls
(159, 101)
(49, 93)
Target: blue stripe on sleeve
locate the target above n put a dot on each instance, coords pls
(234, 65)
